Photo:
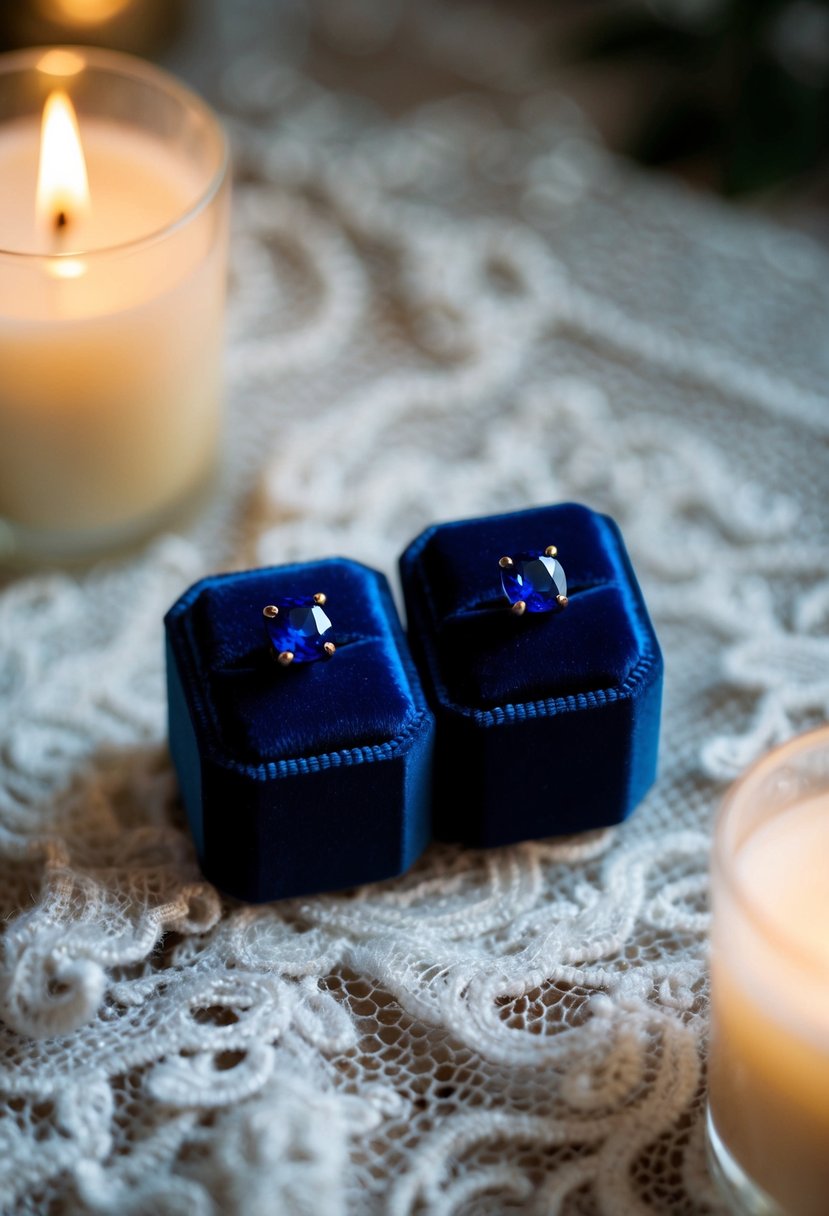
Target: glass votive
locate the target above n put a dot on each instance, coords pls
(112, 290)
(768, 1109)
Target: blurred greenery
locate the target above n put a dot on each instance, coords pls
(742, 85)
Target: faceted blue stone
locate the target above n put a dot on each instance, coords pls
(536, 579)
(300, 627)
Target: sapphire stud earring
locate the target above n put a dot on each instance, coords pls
(534, 582)
(298, 631)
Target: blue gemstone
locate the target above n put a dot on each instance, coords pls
(535, 579)
(300, 628)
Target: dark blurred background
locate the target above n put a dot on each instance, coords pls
(732, 95)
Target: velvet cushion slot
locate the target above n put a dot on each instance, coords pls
(458, 561)
(305, 778)
(266, 712)
(489, 658)
(550, 721)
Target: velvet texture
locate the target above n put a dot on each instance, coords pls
(307, 778)
(547, 724)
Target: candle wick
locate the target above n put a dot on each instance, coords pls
(61, 220)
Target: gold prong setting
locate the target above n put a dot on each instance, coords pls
(298, 630)
(534, 582)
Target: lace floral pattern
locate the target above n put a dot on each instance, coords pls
(441, 317)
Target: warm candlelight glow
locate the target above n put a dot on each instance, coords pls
(768, 1073)
(60, 62)
(62, 185)
(66, 268)
(84, 12)
(113, 240)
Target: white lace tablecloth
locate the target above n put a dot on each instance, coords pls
(440, 316)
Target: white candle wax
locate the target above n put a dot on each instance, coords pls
(110, 352)
(769, 1071)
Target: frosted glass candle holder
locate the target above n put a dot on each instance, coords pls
(768, 1111)
(111, 326)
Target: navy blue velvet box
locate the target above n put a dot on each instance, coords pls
(304, 778)
(547, 723)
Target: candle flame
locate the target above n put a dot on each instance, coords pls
(62, 184)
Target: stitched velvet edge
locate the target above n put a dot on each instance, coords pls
(267, 824)
(579, 752)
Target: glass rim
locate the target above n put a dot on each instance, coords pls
(723, 859)
(121, 64)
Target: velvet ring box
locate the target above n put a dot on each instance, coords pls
(547, 723)
(305, 778)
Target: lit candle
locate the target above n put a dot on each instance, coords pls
(769, 1069)
(113, 226)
